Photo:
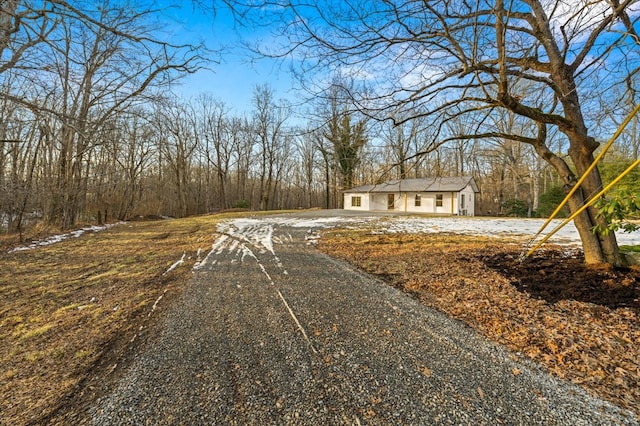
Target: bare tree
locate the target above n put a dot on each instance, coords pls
(403, 141)
(308, 152)
(242, 147)
(177, 134)
(216, 141)
(268, 126)
(327, 162)
(23, 26)
(122, 159)
(92, 61)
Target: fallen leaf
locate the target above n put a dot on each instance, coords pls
(426, 372)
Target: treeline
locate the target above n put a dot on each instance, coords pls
(178, 158)
(73, 77)
(91, 132)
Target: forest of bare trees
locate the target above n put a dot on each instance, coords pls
(91, 132)
(173, 157)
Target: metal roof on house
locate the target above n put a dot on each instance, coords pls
(438, 184)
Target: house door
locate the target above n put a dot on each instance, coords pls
(391, 201)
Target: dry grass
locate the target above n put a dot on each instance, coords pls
(588, 334)
(65, 305)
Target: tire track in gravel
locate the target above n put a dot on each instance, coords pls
(260, 237)
(271, 331)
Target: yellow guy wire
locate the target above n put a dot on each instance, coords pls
(581, 209)
(575, 187)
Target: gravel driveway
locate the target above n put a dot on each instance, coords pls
(270, 331)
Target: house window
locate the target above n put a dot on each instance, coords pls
(418, 200)
(438, 200)
(462, 201)
(356, 201)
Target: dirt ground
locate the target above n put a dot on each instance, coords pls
(582, 323)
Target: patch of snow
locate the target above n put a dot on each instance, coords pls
(251, 231)
(198, 259)
(321, 222)
(519, 228)
(155, 305)
(494, 227)
(312, 237)
(256, 233)
(176, 264)
(61, 237)
(500, 228)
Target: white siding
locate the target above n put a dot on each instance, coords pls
(429, 203)
(426, 202)
(364, 201)
(378, 202)
(449, 202)
(469, 202)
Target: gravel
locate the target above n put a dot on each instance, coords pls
(271, 331)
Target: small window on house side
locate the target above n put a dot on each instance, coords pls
(356, 201)
(462, 201)
(418, 201)
(438, 200)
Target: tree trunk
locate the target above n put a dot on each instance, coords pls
(598, 248)
(327, 184)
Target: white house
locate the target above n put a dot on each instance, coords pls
(441, 195)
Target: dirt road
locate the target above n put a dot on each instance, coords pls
(270, 331)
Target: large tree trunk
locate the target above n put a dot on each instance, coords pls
(598, 248)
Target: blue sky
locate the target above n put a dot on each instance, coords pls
(234, 78)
